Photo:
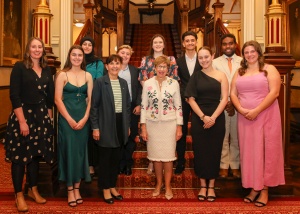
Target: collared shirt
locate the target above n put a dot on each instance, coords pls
(191, 63)
(125, 74)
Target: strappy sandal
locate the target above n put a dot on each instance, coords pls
(72, 203)
(79, 200)
(247, 199)
(259, 203)
(211, 198)
(201, 197)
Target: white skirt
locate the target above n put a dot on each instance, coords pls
(161, 144)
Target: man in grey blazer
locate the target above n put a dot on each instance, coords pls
(187, 65)
(228, 63)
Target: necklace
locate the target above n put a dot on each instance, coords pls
(78, 92)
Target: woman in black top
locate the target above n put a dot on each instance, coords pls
(29, 129)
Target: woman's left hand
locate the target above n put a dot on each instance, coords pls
(251, 115)
(208, 122)
(178, 132)
(80, 124)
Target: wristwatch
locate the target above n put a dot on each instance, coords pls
(202, 117)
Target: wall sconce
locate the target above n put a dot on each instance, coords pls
(78, 23)
(226, 23)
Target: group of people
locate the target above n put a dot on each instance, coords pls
(100, 107)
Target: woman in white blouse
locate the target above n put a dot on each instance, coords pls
(161, 120)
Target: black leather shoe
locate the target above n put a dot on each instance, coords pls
(118, 197)
(128, 171)
(109, 201)
(179, 169)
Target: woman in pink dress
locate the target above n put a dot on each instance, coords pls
(254, 91)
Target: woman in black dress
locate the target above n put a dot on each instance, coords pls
(207, 93)
(29, 129)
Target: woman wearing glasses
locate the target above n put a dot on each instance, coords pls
(161, 110)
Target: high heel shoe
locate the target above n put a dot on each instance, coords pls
(78, 200)
(156, 192)
(260, 203)
(72, 203)
(117, 197)
(211, 198)
(202, 197)
(169, 195)
(249, 199)
(35, 195)
(20, 202)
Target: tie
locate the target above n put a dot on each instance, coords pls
(229, 64)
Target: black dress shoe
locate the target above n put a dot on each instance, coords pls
(118, 197)
(179, 169)
(109, 201)
(128, 171)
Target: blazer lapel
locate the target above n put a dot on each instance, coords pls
(109, 91)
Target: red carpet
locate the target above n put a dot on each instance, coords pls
(141, 201)
(134, 206)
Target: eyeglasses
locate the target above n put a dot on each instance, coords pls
(161, 67)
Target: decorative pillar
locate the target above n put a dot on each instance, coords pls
(276, 55)
(41, 22)
(120, 23)
(184, 13)
(275, 22)
(218, 7)
(48, 181)
(88, 10)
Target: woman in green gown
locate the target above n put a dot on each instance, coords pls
(73, 100)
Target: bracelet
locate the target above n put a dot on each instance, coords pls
(202, 117)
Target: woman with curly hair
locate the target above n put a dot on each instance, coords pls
(254, 91)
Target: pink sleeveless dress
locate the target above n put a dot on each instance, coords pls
(260, 140)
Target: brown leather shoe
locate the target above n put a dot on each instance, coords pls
(223, 173)
(35, 195)
(236, 173)
(20, 202)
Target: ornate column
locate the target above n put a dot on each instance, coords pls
(120, 23)
(184, 13)
(88, 10)
(218, 7)
(48, 182)
(276, 55)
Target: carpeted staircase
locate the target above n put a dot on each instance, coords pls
(139, 37)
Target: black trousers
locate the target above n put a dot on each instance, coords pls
(109, 160)
(18, 171)
(181, 143)
(128, 149)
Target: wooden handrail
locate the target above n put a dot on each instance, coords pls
(86, 30)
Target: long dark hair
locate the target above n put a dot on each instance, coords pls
(27, 59)
(68, 64)
(151, 51)
(261, 61)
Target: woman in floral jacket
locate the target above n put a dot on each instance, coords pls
(161, 110)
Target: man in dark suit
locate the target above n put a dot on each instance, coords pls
(130, 74)
(187, 64)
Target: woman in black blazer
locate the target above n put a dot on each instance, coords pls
(110, 121)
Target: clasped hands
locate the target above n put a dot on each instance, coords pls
(208, 122)
(249, 114)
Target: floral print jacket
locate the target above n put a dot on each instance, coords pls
(147, 70)
(161, 105)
